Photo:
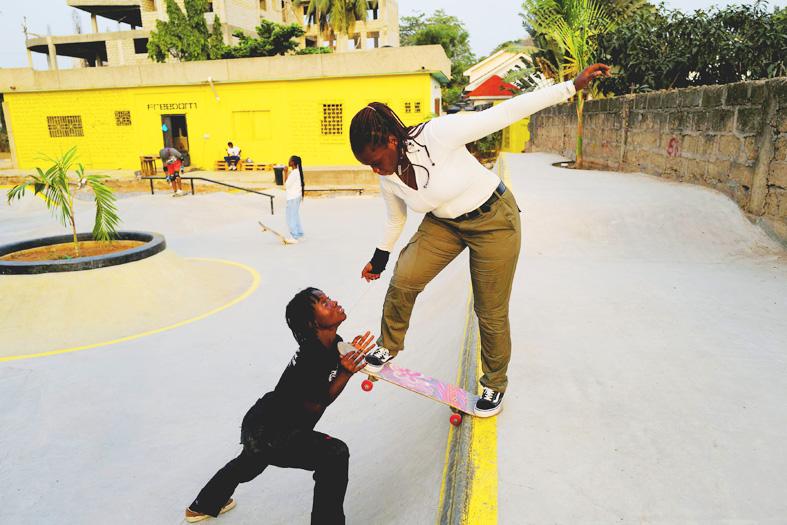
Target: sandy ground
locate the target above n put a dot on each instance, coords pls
(646, 385)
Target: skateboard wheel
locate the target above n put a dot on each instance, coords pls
(456, 419)
(367, 385)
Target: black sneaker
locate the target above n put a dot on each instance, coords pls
(377, 358)
(489, 404)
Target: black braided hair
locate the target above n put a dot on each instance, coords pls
(372, 126)
(297, 160)
(300, 315)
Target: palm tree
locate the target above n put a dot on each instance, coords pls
(336, 16)
(55, 185)
(570, 29)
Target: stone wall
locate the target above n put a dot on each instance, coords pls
(732, 138)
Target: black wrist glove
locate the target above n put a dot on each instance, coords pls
(379, 260)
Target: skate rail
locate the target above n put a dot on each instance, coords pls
(192, 179)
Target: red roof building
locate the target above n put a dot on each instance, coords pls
(493, 88)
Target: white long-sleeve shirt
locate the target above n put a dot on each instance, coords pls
(457, 182)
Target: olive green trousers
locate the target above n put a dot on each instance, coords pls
(494, 239)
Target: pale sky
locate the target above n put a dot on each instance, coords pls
(498, 22)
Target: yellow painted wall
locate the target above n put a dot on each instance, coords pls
(269, 120)
(516, 136)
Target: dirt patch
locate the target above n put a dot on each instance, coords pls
(57, 252)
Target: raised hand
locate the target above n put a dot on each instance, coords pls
(590, 73)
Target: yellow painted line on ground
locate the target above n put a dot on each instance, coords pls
(255, 283)
(482, 505)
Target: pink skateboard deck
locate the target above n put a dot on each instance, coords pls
(459, 399)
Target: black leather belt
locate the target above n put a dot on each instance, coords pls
(485, 207)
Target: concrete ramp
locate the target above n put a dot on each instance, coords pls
(650, 326)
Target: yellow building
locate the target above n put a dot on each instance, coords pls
(271, 107)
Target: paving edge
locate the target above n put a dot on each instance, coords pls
(469, 490)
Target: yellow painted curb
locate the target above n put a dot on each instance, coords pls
(255, 283)
(482, 504)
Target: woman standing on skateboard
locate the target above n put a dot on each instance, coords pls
(279, 429)
(428, 169)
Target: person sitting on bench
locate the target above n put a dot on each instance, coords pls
(233, 157)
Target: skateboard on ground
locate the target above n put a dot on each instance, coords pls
(460, 400)
(282, 238)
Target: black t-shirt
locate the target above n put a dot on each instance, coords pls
(307, 377)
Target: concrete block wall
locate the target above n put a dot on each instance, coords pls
(732, 138)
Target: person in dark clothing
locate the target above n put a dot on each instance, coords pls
(279, 429)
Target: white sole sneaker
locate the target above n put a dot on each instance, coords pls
(488, 413)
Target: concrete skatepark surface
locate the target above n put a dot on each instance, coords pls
(646, 383)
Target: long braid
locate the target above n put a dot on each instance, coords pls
(372, 126)
(299, 165)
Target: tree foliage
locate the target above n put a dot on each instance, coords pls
(185, 35)
(670, 49)
(548, 59)
(449, 32)
(272, 39)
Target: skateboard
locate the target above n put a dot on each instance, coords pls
(265, 228)
(460, 400)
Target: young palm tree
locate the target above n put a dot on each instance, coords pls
(570, 28)
(55, 185)
(336, 16)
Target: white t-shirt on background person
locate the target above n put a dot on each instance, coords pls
(293, 184)
(234, 151)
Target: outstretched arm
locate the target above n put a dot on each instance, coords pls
(454, 131)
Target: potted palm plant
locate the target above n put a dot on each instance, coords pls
(104, 246)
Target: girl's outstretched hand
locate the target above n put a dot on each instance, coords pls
(590, 73)
(355, 361)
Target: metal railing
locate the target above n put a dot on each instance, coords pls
(192, 179)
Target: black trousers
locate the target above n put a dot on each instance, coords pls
(303, 449)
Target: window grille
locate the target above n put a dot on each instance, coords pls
(122, 118)
(331, 123)
(65, 126)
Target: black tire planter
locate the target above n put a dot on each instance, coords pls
(154, 243)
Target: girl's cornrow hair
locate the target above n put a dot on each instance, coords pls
(300, 316)
(372, 126)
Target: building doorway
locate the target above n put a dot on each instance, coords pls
(175, 132)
